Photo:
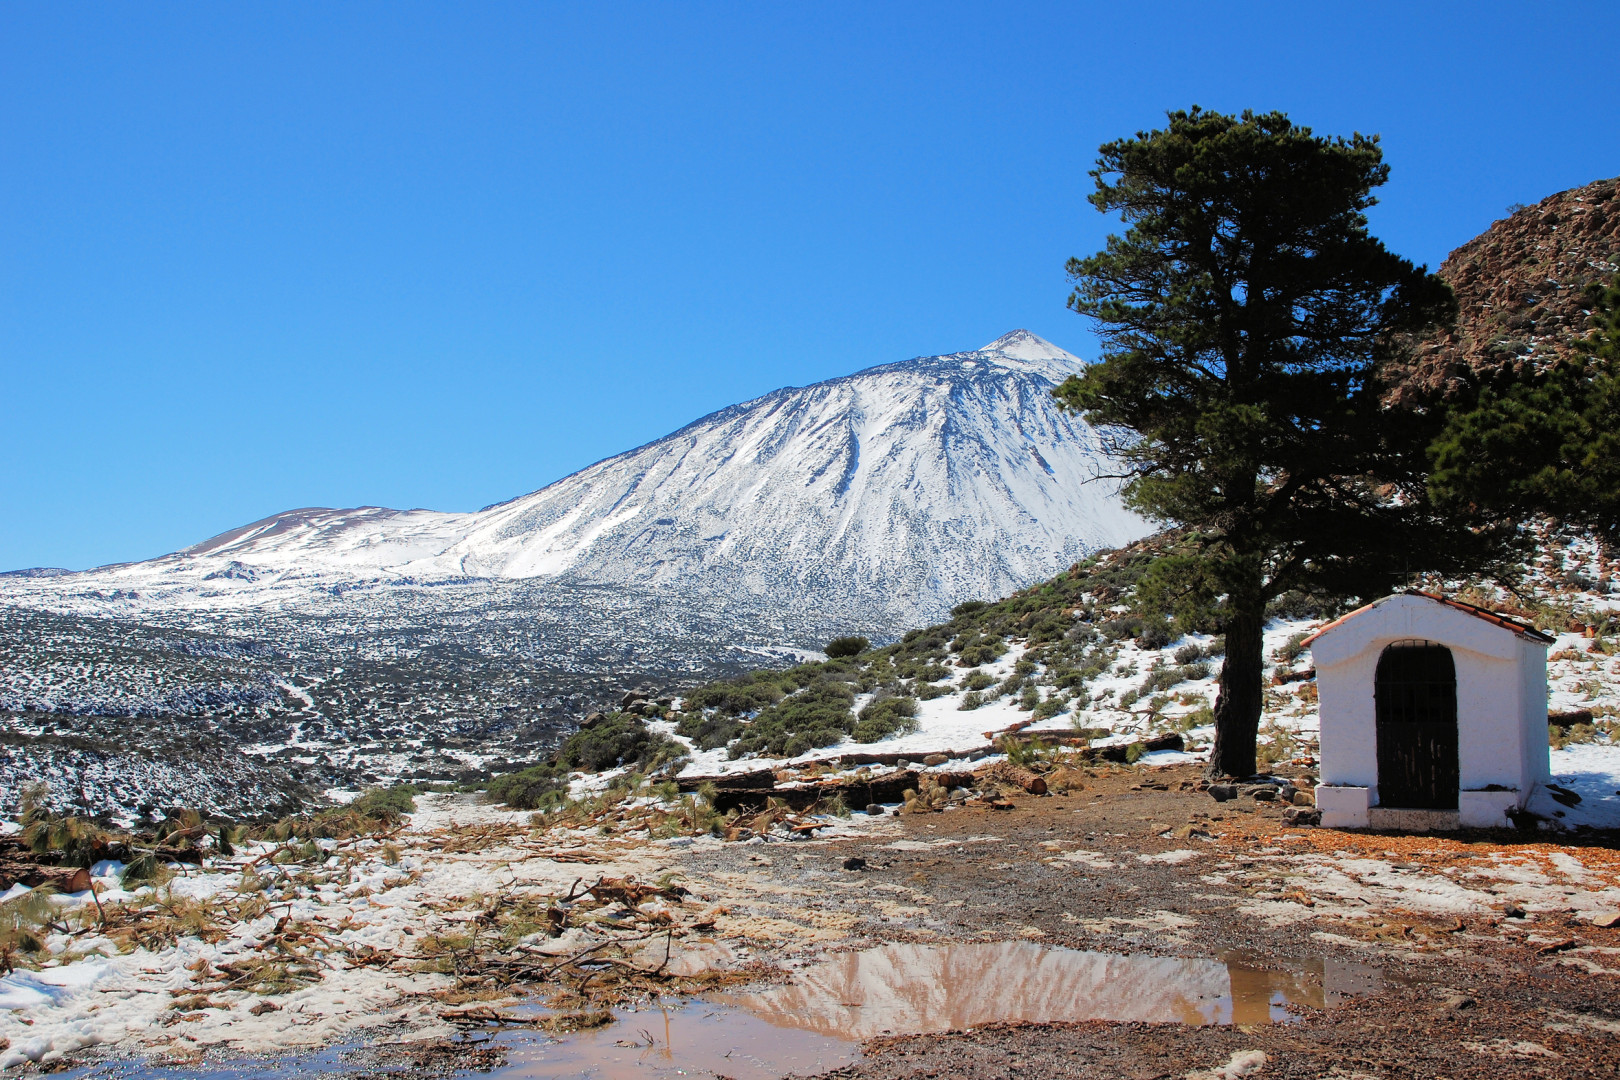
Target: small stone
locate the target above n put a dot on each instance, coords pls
(854, 863)
(1303, 817)
(1607, 920)
(936, 759)
(264, 1007)
(874, 809)
(1459, 1002)
(1264, 794)
(1303, 798)
(1513, 911)
(1223, 792)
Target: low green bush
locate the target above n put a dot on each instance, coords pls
(529, 788)
(846, 646)
(709, 731)
(817, 716)
(620, 739)
(885, 717)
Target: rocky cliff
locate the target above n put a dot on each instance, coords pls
(1521, 288)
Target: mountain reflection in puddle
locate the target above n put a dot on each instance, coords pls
(812, 1023)
(903, 989)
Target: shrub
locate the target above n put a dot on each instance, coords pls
(746, 694)
(375, 810)
(527, 789)
(846, 646)
(1188, 653)
(1160, 678)
(709, 730)
(1291, 649)
(1194, 672)
(1302, 605)
(971, 701)
(969, 607)
(1050, 707)
(620, 739)
(394, 802)
(816, 716)
(1155, 633)
(1122, 627)
(978, 680)
(885, 717)
(926, 670)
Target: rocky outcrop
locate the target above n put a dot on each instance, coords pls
(1521, 289)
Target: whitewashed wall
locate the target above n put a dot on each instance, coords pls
(1501, 694)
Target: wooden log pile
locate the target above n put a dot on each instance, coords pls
(33, 874)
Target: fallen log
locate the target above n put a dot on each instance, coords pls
(1014, 774)
(856, 793)
(1158, 742)
(64, 878)
(759, 780)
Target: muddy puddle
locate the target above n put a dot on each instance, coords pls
(910, 989)
(696, 1039)
(815, 1021)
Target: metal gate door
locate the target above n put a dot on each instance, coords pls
(1416, 695)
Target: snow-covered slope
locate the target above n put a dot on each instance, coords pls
(903, 488)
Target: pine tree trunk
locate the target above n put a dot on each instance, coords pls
(1238, 704)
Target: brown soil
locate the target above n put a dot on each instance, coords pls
(1468, 999)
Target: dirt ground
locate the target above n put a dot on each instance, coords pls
(1484, 993)
(1491, 954)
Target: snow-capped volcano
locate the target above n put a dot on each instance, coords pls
(904, 488)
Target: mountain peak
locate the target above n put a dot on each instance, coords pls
(1023, 345)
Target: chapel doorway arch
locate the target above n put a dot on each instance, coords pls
(1415, 691)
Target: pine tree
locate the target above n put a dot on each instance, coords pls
(1548, 443)
(1248, 317)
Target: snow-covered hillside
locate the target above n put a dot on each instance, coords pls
(901, 489)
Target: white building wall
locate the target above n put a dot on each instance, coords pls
(1348, 721)
(1535, 764)
(1489, 692)
(1501, 700)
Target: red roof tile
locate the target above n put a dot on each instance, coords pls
(1523, 629)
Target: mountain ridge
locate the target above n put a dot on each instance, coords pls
(904, 486)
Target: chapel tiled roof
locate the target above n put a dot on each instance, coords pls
(1523, 629)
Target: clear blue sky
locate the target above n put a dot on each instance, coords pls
(259, 256)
